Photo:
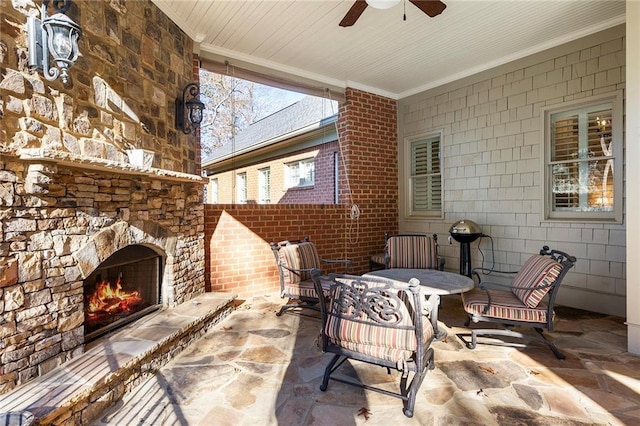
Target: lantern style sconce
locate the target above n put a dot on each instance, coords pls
(189, 104)
(55, 35)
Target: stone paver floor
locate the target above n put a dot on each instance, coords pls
(258, 369)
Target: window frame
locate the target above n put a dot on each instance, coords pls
(264, 198)
(409, 177)
(241, 178)
(214, 185)
(297, 163)
(548, 214)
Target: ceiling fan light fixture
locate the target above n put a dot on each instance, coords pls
(382, 4)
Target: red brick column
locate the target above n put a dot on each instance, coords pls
(368, 132)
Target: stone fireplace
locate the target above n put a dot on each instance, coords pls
(123, 288)
(75, 208)
(139, 234)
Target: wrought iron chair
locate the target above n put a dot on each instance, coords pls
(527, 301)
(295, 260)
(376, 261)
(378, 321)
(417, 251)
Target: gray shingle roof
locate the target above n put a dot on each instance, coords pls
(306, 112)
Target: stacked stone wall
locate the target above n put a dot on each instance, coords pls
(46, 248)
(69, 188)
(134, 62)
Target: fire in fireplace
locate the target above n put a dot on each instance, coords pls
(123, 288)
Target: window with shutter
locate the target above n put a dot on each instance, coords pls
(425, 179)
(583, 159)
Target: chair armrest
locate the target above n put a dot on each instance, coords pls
(486, 271)
(536, 287)
(430, 308)
(488, 285)
(480, 270)
(310, 270)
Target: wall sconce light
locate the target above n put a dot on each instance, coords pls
(191, 107)
(55, 35)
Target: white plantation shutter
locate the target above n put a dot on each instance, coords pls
(426, 179)
(584, 146)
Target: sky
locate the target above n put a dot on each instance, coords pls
(273, 99)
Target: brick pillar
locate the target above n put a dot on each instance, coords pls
(367, 126)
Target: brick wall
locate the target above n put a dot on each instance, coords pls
(492, 146)
(237, 236)
(239, 258)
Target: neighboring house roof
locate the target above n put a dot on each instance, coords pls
(306, 115)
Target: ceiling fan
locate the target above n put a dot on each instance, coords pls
(431, 8)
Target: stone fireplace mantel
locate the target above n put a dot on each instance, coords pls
(40, 155)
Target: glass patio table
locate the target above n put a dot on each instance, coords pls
(431, 280)
(433, 283)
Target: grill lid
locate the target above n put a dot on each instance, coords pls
(465, 227)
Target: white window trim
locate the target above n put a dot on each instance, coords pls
(213, 197)
(409, 212)
(288, 166)
(262, 197)
(239, 177)
(617, 136)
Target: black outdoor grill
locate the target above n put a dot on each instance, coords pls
(465, 232)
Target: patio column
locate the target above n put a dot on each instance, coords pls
(633, 174)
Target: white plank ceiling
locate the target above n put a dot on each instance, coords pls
(382, 53)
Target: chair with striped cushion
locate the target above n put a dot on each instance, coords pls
(415, 251)
(382, 322)
(296, 260)
(527, 301)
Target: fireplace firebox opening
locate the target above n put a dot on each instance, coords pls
(125, 287)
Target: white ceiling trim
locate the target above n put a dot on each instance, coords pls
(370, 89)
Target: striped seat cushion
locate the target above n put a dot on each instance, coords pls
(356, 331)
(504, 305)
(538, 271)
(378, 258)
(412, 251)
(298, 256)
(305, 289)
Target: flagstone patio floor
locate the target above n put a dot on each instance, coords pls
(254, 368)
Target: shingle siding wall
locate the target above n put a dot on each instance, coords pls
(492, 147)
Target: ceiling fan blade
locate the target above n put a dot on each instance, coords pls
(354, 13)
(431, 8)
